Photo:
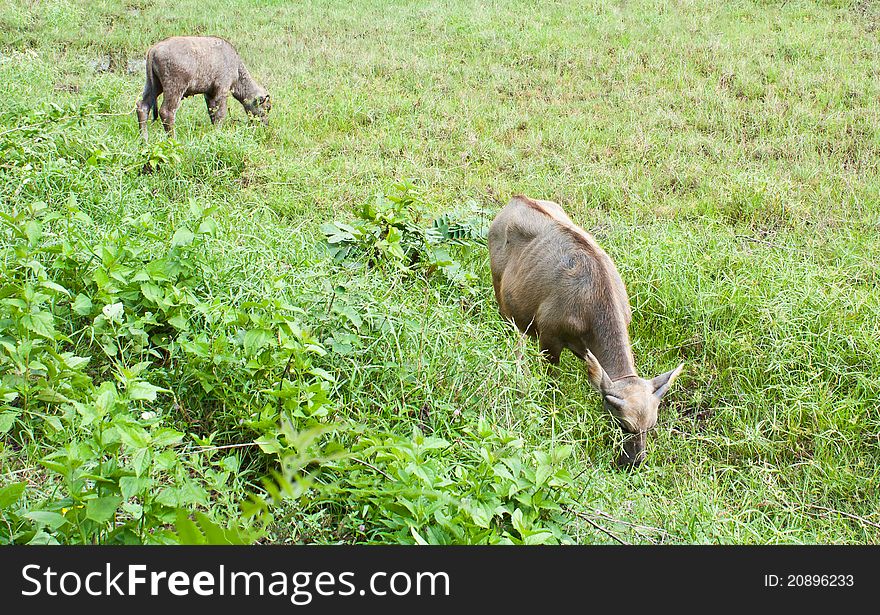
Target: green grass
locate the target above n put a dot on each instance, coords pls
(725, 154)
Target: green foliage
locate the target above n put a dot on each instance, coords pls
(161, 153)
(95, 340)
(108, 447)
(388, 488)
(204, 531)
(425, 489)
(388, 230)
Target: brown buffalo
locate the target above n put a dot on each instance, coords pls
(183, 66)
(555, 283)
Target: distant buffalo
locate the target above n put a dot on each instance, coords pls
(554, 282)
(183, 66)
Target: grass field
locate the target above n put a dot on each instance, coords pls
(725, 154)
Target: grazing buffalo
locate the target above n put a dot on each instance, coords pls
(183, 66)
(555, 283)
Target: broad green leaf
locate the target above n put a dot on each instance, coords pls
(230, 463)
(190, 492)
(518, 523)
(268, 444)
(187, 531)
(434, 443)
(52, 520)
(82, 217)
(539, 538)
(481, 514)
(56, 287)
(102, 509)
(179, 321)
(40, 323)
(208, 227)
(133, 435)
(141, 390)
(182, 237)
(7, 420)
(10, 494)
(132, 486)
(160, 269)
(350, 313)
(501, 471)
(51, 396)
(55, 466)
(153, 292)
(166, 437)
(34, 231)
(42, 538)
(542, 474)
(141, 460)
(214, 534)
(256, 339)
(105, 400)
(113, 311)
(133, 509)
(53, 421)
(74, 362)
(217, 535)
(562, 452)
(322, 373)
(169, 496)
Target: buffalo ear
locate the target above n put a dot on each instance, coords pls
(662, 382)
(596, 374)
(615, 402)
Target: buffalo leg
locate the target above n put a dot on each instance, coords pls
(170, 103)
(216, 103)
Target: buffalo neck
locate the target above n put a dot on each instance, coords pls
(614, 350)
(245, 87)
